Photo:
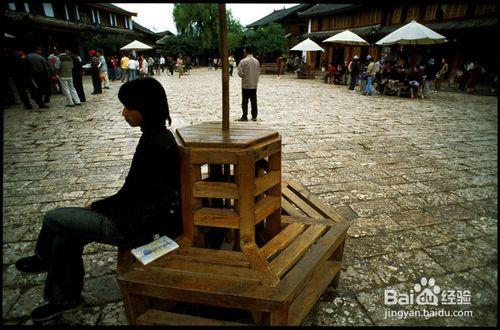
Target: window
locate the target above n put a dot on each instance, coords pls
(412, 13)
(450, 11)
(26, 7)
(12, 6)
(341, 21)
(430, 13)
(396, 15)
(66, 14)
(95, 16)
(324, 24)
(315, 25)
(77, 13)
(483, 9)
(368, 17)
(130, 26)
(47, 9)
(126, 22)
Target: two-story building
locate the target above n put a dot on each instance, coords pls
(468, 27)
(60, 24)
(288, 18)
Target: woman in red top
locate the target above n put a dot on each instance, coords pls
(330, 73)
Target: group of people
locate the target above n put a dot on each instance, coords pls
(132, 67)
(41, 75)
(386, 77)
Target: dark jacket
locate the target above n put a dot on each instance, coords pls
(149, 201)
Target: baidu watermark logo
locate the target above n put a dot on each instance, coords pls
(426, 293)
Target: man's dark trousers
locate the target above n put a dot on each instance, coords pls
(252, 95)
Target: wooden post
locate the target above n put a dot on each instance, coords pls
(225, 67)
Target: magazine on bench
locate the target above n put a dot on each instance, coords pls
(152, 251)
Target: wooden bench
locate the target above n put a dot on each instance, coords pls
(306, 256)
(266, 68)
(307, 74)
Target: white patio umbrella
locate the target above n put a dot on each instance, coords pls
(347, 38)
(412, 33)
(136, 45)
(307, 46)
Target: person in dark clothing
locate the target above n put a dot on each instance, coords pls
(25, 83)
(96, 78)
(415, 82)
(354, 72)
(147, 204)
(40, 73)
(77, 77)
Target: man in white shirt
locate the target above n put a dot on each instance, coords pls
(249, 71)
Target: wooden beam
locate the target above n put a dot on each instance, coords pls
(225, 67)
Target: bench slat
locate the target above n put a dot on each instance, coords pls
(213, 217)
(314, 201)
(286, 259)
(282, 240)
(222, 257)
(301, 204)
(157, 317)
(313, 290)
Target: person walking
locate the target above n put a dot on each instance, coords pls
(65, 75)
(440, 74)
(103, 69)
(162, 63)
(476, 71)
(96, 79)
(132, 67)
(144, 67)
(24, 82)
(370, 76)
(40, 73)
(180, 64)
(148, 204)
(278, 66)
(353, 69)
(170, 65)
(232, 64)
(77, 77)
(249, 71)
(123, 63)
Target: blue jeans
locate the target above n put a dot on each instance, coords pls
(368, 87)
(65, 232)
(132, 75)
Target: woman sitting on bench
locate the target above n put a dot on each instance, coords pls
(147, 204)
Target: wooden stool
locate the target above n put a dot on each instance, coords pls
(278, 281)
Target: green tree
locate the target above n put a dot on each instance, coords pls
(268, 40)
(201, 21)
(173, 45)
(110, 43)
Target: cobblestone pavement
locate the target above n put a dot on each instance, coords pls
(417, 178)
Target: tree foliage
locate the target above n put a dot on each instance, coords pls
(201, 21)
(110, 43)
(187, 45)
(268, 40)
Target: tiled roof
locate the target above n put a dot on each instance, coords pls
(278, 15)
(116, 8)
(362, 31)
(326, 9)
(472, 23)
(379, 30)
(141, 28)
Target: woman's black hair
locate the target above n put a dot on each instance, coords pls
(147, 96)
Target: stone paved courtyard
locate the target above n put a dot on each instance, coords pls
(417, 179)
